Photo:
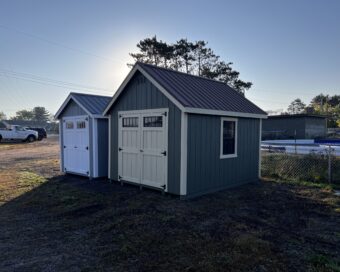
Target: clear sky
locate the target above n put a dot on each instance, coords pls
(288, 49)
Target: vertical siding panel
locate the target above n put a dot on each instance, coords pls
(72, 109)
(206, 171)
(144, 96)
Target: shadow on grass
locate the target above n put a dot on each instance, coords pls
(71, 223)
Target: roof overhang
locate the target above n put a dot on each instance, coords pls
(225, 113)
(72, 97)
(174, 100)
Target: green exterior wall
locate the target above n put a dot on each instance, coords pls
(72, 109)
(206, 172)
(141, 94)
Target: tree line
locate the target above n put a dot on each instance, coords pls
(190, 57)
(321, 105)
(36, 114)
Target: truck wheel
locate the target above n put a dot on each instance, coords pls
(30, 138)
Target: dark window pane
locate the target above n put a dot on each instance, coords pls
(153, 121)
(130, 122)
(228, 137)
(69, 124)
(81, 124)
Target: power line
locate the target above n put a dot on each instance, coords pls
(49, 81)
(58, 44)
(21, 75)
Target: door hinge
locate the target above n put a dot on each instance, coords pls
(120, 116)
(165, 113)
(164, 153)
(86, 119)
(163, 186)
(87, 148)
(65, 169)
(87, 172)
(120, 149)
(119, 177)
(64, 146)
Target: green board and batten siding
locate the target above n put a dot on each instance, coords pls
(141, 94)
(206, 172)
(72, 109)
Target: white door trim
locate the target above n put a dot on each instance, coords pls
(73, 118)
(141, 114)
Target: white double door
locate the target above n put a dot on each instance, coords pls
(76, 145)
(142, 151)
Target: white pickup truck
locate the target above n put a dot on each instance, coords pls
(18, 133)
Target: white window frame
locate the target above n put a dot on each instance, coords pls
(222, 156)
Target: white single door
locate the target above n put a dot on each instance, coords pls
(76, 145)
(154, 150)
(143, 147)
(129, 148)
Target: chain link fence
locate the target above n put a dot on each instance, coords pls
(298, 164)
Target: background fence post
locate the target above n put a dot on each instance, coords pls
(329, 164)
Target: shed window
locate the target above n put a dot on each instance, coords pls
(228, 138)
(81, 124)
(69, 125)
(153, 121)
(130, 122)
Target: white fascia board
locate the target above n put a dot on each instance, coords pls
(99, 116)
(120, 89)
(225, 113)
(154, 82)
(162, 89)
(70, 96)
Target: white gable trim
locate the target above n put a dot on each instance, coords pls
(157, 85)
(63, 106)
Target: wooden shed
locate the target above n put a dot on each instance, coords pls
(83, 134)
(180, 133)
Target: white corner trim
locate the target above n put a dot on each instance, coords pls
(109, 154)
(61, 144)
(225, 113)
(95, 147)
(221, 138)
(260, 139)
(184, 153)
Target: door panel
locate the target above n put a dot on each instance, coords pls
(76, 145)
(143, 148)
(129, 148)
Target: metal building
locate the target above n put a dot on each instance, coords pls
(83, 134)
(180, 133)
(294, 126)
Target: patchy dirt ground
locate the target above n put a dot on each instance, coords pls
(52, 222)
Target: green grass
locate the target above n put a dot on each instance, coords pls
(323, 263)
(30, 179)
